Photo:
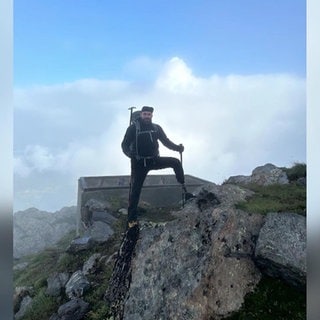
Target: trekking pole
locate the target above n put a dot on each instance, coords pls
(182, 194)
(130, 179)
(131, 108)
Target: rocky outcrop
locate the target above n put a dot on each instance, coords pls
(22, 300)
(264, 175)
(281, 249)
(35, 230)
(195, 267)
(72, 310)
(77, 285)
(202, 264)
(98, 231)
(56, 283)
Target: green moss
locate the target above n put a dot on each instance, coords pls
(273, 299)
(42, 307)
(298, 170)
(156, 214)
(41, 265)
(275, 198)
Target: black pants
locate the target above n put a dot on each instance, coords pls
(139, 171)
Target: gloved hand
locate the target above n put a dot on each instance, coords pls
(181, 147)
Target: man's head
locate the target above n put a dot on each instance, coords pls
(146, 114)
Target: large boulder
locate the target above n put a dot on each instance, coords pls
(74, 309)
(263, 175)
(202, 264)
(19, 294)
(281, 248)
(195, 267)
(56, 282)
(77, 285)
(25, 305)
(92, 264)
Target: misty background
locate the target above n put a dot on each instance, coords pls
(227, 81)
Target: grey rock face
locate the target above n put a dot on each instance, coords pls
(77, 285)
(19, 294)
(56, 282)
(263, 175)
(281, 247)
(74, 309)
(91, 265)
(194, 267)
(99, 232)
(34, 230)
(24, 306)
(80, 244)
(269, 174)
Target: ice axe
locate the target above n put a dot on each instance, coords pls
(131, 111)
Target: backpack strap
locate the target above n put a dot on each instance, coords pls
(138, 130)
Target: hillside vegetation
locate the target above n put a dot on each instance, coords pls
(271, 300)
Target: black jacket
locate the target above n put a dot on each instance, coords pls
(154, 133)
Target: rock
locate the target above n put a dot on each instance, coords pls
(20, 266)
(77, 285)
(123, 211)
(263, 175)
(281, 248)
(56, 282)
(99, 232)
(269, 174)
(19, 294)
(72, 310)
(96, 205)
(196, 267)
(104, 216)
(91, 265)
(302, 181)
(226, 194)
(80, 244)
(206, 199)
(24, 306)
(200, 265)
(240, 179)
(35, 230)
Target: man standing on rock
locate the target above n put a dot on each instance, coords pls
(140, 144)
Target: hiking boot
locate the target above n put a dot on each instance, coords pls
(188, 196)
(132, 224)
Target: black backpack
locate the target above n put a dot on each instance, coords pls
(146, 144)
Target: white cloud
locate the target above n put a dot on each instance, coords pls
(229, 125)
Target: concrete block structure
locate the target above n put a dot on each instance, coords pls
(158, 190)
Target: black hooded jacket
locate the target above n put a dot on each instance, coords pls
(141, 140)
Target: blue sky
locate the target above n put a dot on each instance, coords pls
(226, 78)
(61, 41)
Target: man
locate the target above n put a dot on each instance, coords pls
(140, 144)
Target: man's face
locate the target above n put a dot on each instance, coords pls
(146, 116)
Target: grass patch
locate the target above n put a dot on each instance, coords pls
(42, 307)
(273, 299)
(156, 214)
(298, 170)
(275, 198)
(56, 259)
(39, 267)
